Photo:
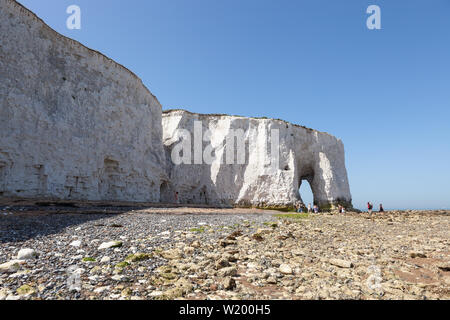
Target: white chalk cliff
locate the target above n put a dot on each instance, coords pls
(262, 178)
(76, 125)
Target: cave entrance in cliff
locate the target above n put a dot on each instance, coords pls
(305, 192)
(164, 193)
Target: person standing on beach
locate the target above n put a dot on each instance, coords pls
(381, 207)
(176, 197)
(369, 207)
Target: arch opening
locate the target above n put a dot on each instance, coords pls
(305, 192)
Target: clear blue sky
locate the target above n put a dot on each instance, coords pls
(385, 93)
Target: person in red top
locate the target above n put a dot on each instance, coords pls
(381, 207)
(369, 207)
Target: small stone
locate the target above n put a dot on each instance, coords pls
(156, 294)
(165, 269)
(229, 271)
(101, 289)
(300, 289)
(341, 263)
(271, 280)
(4, 293)
(184, 285)
(95, 270)
(25, 290)
(172, 254)
(118, 277)
(105, 259)
(213, 287)
(222, 263)
(264, 231)
(417, 254)
(258, 237)
(234, 235)
(26, 254)
(138, 257)
(94, 278)
(126, 292)
(298, 252)
(229, 283)
(444, 266)
(253, 265)
(225, 243)
(285, 269)
(75, 243)
(110, 244)
(168, 276)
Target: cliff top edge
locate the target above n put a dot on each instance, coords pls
(173, 111)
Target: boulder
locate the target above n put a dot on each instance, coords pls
(10, 266)
(25, 254)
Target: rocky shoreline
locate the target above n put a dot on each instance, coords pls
(200, 253)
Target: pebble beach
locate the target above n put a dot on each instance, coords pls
(199, 253)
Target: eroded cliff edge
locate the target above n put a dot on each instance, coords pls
(304, 155)
(74, 124)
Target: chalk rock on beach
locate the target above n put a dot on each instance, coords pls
(25, 254)
(10, 266)
(110, 244)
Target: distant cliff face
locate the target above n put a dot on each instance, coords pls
(265, 178)
(74, 124)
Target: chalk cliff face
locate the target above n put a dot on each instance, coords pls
(74, 124)
(264, 178)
